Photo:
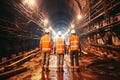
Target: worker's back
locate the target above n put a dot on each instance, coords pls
(74, 42)
(59, 43)
(46, 43)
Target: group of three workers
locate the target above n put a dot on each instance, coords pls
(59, 47)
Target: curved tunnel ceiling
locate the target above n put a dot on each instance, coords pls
(60, 13)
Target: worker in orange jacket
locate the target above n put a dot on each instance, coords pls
(45, 47)
(74, 47)
(59, 47)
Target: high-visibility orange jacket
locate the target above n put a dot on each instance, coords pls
(74, 42)
(45, 43)
(60, 46)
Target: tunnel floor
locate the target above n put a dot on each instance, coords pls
(91, 68)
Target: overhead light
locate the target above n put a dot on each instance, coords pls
(29, 2)
(79, 17)
(50, 28)
(45, 21)
(68, 30)
(62, 36)
(72, 26)
(25, 1)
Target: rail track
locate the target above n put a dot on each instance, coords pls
(14, 66)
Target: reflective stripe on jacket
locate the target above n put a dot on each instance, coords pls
(46, 43)
(74, 42)
(59, 44)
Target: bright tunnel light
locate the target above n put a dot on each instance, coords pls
(45, 21)
(63, 36)
(79, 17)
(68, 30)
(30, 2)
(50, 28)
(72, 26)
(58, 36)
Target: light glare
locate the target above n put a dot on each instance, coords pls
(29, 2)
(79, 17)
(50, 28)
(72, 26)
(45, 21)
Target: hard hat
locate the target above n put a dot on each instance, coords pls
(59, 33)
(47, 31)
(73, 31)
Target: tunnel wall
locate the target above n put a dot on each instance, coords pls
(99, 30)
(10, 46)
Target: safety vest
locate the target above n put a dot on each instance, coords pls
(46, 43)
(59, 44)
(74, 42)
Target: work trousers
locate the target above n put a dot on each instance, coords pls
(60, 61)
(74, 56)
(46, 57)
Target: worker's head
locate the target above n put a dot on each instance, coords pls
(59, 33)
(47, 31)
(73, 31)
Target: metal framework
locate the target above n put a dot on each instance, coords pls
(99, 30)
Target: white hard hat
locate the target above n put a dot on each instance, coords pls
(47, 31)
(73, 31)
(59, 33)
